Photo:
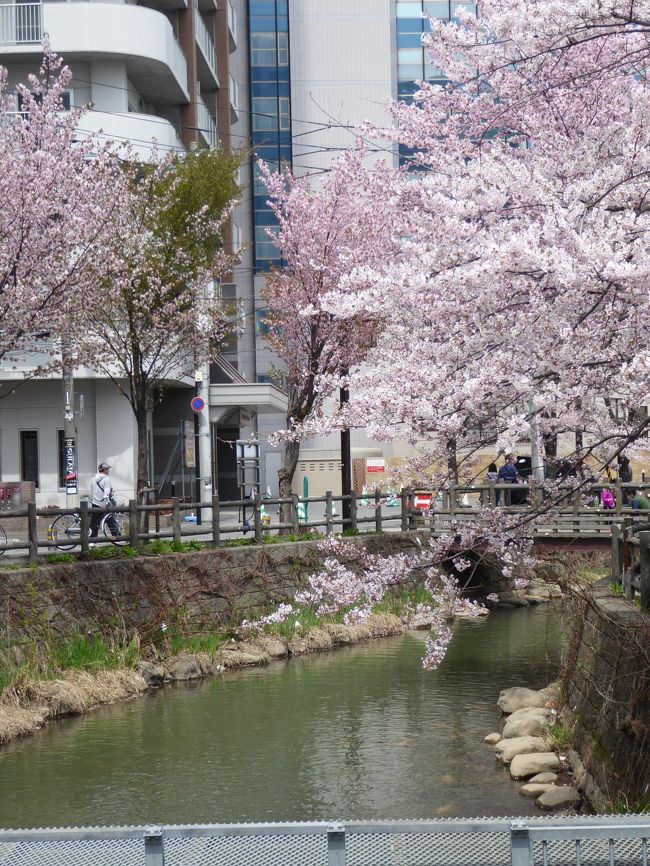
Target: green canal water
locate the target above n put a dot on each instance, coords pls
(361, 732)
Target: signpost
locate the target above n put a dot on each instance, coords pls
(197, 404)
(70, 467)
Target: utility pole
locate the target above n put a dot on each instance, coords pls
(346, 465)
(69, 429)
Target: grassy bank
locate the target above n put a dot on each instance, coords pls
(44, 679)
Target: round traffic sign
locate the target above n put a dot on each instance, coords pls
(197, 404)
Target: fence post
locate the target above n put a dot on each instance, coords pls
(32, 531)
(404, 498)
(329, 522)
(294, 514)
(644, 578)
(377, 511)
(576, 511)
(619, 497)
(216, 521)
(520, 849)
(176, 519)
(133, 522)
(154, 847)
(617, 565)
(257, 517)
(353, 511)
(453, 504)
(85, 525)
(336, 845)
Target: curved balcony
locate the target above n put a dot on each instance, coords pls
(139, 129)
(140, 37)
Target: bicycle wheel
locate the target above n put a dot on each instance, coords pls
(122, 523)
(3, 539)
(66, 530)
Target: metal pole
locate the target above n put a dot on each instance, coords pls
(346, 462)
(69, 429)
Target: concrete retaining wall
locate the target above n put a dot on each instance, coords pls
(206, 588)
(607, 699)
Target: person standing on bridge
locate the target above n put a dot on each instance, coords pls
(507, 475)
(491, 477)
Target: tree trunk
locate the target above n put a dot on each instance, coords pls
(452, 460)
(141, 421)
(285, 477)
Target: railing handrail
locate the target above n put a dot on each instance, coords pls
(205, 41)
(470, 837)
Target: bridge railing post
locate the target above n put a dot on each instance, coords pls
(336, 845)
(617, 554)
(154, 847)
(521, 853)
(644, 578)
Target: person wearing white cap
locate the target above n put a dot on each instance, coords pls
(101, 494)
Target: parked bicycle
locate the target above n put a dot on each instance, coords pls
(66, 529)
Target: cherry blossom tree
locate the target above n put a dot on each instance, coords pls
(56, 203)
(518, 298)
(325, 232)
(519, 295)
(160, 317)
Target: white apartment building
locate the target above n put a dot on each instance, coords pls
(163, 71)
(288, 79)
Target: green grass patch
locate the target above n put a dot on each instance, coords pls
(9, 676)
(92, 652)
(400, 601)
(560, 735)
(300, 621)
(102, 552)
(61, 557)
(239, 542)
(624, 806)
(615, 588)
(196, 643)
(169, 545)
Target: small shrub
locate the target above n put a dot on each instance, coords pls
(560, 734)
(616, 588)
(129, 551)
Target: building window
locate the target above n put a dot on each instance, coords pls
(29, 456)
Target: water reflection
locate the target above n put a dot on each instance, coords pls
(363, 732)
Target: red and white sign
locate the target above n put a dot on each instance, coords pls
(377, 465)
(421, 501)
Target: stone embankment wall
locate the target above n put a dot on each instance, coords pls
(200, 589)
(606, 697)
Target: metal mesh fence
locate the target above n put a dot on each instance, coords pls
(76, 852)
(280, 850)
(576, 841)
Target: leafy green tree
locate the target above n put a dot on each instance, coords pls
(160, 316)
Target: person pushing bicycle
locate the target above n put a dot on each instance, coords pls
(101, 496)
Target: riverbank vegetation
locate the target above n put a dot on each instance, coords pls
(46, 677)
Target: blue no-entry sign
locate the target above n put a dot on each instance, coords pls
(197, 404)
